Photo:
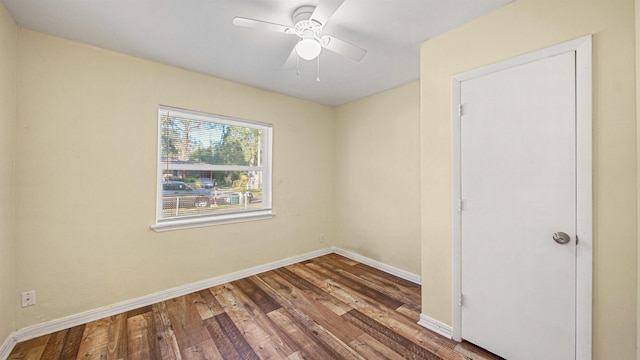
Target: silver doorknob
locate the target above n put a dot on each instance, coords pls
(561, 238)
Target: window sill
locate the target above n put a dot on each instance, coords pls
(178, 224)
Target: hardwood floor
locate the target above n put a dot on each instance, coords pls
(330, 307)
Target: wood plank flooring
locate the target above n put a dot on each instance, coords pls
(329, 307)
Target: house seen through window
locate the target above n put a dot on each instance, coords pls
(211, 168)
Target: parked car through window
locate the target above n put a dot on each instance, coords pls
(177, 194)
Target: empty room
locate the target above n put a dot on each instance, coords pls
(424, 179)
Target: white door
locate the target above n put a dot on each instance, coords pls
(518, 188)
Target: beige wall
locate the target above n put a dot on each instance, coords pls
(521, 27)
(8, 55)
(637, 54)
(86, 160)
(378, 177)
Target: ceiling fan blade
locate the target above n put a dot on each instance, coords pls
(324, 10)
(344, 48)
(292, 60)
(259, 24)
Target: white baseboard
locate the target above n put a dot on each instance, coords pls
(7, 346)
(34, 331)
(99, 313)
(436, 326)
(380, 266)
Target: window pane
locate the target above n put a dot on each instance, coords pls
(211, 166)
(189, 140)
(204, 193)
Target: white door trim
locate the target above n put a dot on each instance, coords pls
(584, 262)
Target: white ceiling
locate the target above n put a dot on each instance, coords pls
(198, 35)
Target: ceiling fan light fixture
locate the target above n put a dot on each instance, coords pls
(308, 49)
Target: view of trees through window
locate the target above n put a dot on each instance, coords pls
(209, 166)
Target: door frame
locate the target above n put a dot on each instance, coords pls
(584, 251)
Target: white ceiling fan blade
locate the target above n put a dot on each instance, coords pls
(259, 24)
(292, 60)
(344, 48)
(325, 9)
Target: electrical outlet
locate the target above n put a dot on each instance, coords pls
(321, 238)
(28, 298)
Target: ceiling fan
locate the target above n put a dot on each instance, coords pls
(308, 22)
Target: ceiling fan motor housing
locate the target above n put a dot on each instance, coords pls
(302, 13)
(303, 26)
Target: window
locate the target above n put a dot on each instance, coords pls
(211, 169)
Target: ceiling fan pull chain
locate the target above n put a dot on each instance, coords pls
(318, 70)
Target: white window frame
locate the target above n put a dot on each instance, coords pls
(265, 212)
